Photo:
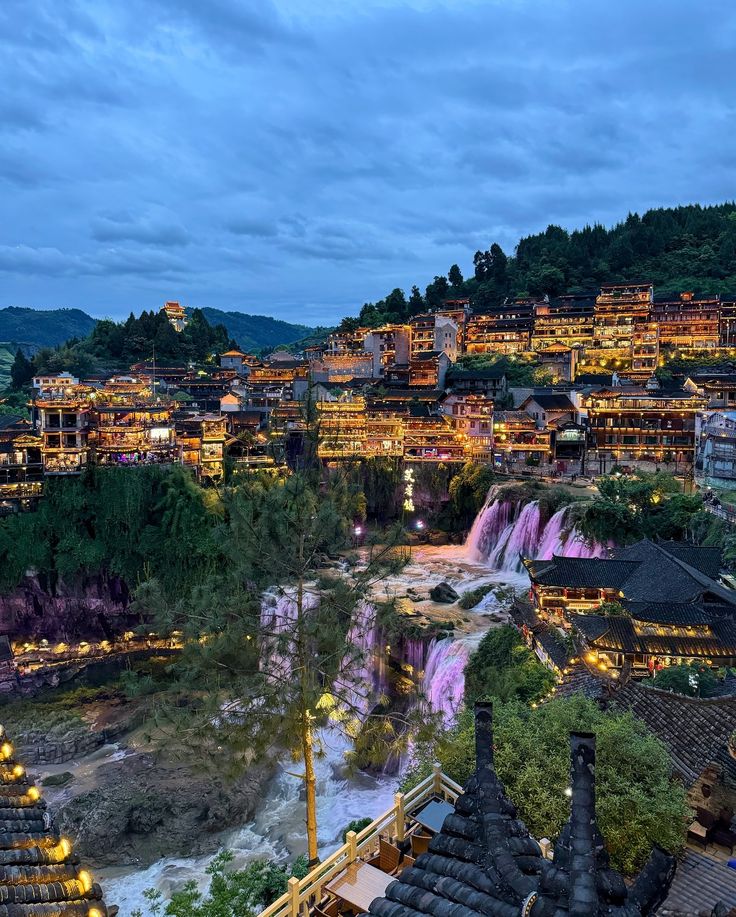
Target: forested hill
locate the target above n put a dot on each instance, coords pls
(43, 328)
(256, 332)
(678, 248)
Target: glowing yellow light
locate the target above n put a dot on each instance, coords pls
(86, 879)
(591, 657)
(33, 793)
(6, 749)
(66, 846)
(18, 770)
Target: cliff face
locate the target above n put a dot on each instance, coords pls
(91, 607)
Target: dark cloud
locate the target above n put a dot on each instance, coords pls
(300, 159)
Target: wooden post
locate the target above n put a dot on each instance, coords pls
(293, 896)
(437, 787)
(352, 846)
(400, 817)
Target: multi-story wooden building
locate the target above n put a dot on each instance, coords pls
(673, 607)
(688, 324)
(644, 350)
(176, 314)
(516, 439)
(634, 424)
(718, 387)
(63, 421)
(618, 307)
(566, 319)
(384, 433)
(131, 426)
(472, 416)
(433, 438)
(21, 465)
(201, 439)
(342, 428)
(506, 329)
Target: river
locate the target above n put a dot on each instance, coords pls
(501, 533)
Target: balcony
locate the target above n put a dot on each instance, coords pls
(397, 826)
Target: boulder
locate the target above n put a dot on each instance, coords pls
(439, 539)
(444, 593)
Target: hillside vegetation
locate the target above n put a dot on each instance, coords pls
(256, 332)
(43, 328)
(677, 248)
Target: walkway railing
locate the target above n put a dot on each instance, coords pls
(304, 894)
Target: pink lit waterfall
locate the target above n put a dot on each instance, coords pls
(443, 685)
(505, 531)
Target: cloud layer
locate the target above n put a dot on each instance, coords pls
(297, 159)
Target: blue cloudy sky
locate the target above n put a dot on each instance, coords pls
(298, 157)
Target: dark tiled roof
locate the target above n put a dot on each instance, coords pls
(552, 401)
(617, 634)
(7, 421)
(483, 861)
(427, 355)
(701, 882)
(695, 730)
(669, 613)
(581, 572)
(705, 559)
(39, 874)
(580, 680)
(554, 647)
(457, 374)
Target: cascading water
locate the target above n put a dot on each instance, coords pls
(504, 532)
(443, 685)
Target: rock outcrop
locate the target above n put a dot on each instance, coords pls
(443, 593)
(53, 609)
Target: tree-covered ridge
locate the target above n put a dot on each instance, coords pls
(43, 328)
(676, 248)
(257, 332)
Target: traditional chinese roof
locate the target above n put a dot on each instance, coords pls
(39, 874)
(484, 862)
(695, 730)
(645, 572)
(551, 401)
(676, 613)
(581, 572)
(701, 883)
(616, 633)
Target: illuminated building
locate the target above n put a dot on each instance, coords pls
(686, 323)
(342, 428)
(618, 307)
(559, 360)
(472, 416)
(489, 382)
(233, 359)
(201, 439)
(132, 427)
(505, 329)
(644, 350)
(342, 367)
(342, 342)
(428, 369)
(716, 386)
(388, 344)
(633, 424)
(433, 438)
(384, 432)
(674, 608)
(564, 319)
(21, 466)
(516, 439)
(176, 314)
(64, 416)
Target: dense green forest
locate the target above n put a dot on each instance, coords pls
(677, 248)
(257, 332)
(45, 328)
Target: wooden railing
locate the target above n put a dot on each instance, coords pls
(303, 894)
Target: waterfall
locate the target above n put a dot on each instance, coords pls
(504, 531)
(444, 677)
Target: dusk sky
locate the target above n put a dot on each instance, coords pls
(299, 157)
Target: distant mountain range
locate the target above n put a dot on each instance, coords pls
(254, 332)
(35, 328)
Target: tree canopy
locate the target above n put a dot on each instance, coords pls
(638, 802)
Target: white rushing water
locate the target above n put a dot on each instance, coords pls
(501, 534)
